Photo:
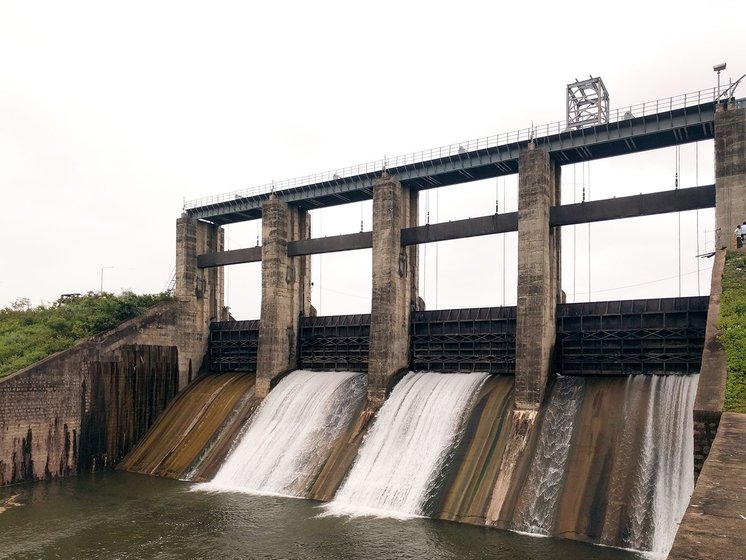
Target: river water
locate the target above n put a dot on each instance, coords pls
(127, 516)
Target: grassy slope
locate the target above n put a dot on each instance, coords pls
(29, 334)
(732, 323)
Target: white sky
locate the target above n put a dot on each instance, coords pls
(112, 113)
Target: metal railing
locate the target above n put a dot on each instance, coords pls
(455, 150)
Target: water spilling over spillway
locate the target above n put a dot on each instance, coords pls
(609, 460)
(408, 444)
(606, 460)
(292, 433)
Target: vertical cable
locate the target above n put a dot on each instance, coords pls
(436, 252)
(321, 257)
(696, 182)
(227, 270)
(574, 229)
(424, 249)
(588, 171)
(676, 185)
(504, 236)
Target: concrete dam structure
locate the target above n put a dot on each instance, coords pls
(581, 421)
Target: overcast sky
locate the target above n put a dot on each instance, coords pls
(111, 114)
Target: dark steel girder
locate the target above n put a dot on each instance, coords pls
(648, 132)
(650, 204)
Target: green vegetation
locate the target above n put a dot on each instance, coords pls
(732, 322)
(29, 334)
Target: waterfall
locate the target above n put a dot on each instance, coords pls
(540, 494)
(669, 443)
(613, 462)
(407, 445)
(291, 434)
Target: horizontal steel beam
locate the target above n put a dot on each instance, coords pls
(334, 244)
(236, 256)
(650, 204)
(680, 200)
(459, 229)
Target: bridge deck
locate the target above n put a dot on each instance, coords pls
(653, 125)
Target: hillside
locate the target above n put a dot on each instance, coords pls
(732, 324)
(28, 334)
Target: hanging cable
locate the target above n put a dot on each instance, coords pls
(504, 236)
(436, 253)
(678, 214)
(424, 258)
(321, 257)
(574, 228)
(497, 198)
(588, 172)
(696, 182)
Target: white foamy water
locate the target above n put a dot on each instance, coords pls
(670, 445)
(537, 506)
(290, 435)
(407, 445)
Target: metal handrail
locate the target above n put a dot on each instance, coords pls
(454, 150)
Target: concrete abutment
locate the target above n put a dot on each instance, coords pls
(199, 292)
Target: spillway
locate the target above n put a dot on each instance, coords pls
(403, 454)
(292, 433)
(611, 463)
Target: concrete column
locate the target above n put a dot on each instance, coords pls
(538, 276)
(285, 291)
(730, 172)
(394, 287)
(200, 291)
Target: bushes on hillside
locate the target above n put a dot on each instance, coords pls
(28, 334)
(732, 323)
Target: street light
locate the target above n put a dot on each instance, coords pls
(102, 277)
(719, 68)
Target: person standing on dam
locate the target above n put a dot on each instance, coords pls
(740, 233)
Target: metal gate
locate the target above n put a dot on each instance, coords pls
(233, 345)
(632, 336)
(450, 340)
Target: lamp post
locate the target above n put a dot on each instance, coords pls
(719, 68)
(102, 277)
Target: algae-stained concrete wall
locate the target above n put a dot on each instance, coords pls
(195, 433)
(43, 407)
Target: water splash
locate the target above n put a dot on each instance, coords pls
(291, 434)
(539, 499)
(407, 445)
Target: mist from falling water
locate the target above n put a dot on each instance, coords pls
(407, 445)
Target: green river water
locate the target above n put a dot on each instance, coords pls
(126, 516)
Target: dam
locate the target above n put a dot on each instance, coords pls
(586, 422)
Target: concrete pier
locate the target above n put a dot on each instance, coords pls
(730, 172)
(394, 286)
(286, 291)
(538, 275)
(199, 290)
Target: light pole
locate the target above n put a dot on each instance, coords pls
(102, 277)
(719, 68)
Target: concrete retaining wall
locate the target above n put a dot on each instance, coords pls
(43, 407)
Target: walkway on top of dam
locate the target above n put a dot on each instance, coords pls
(658, 124)
(714, 525)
